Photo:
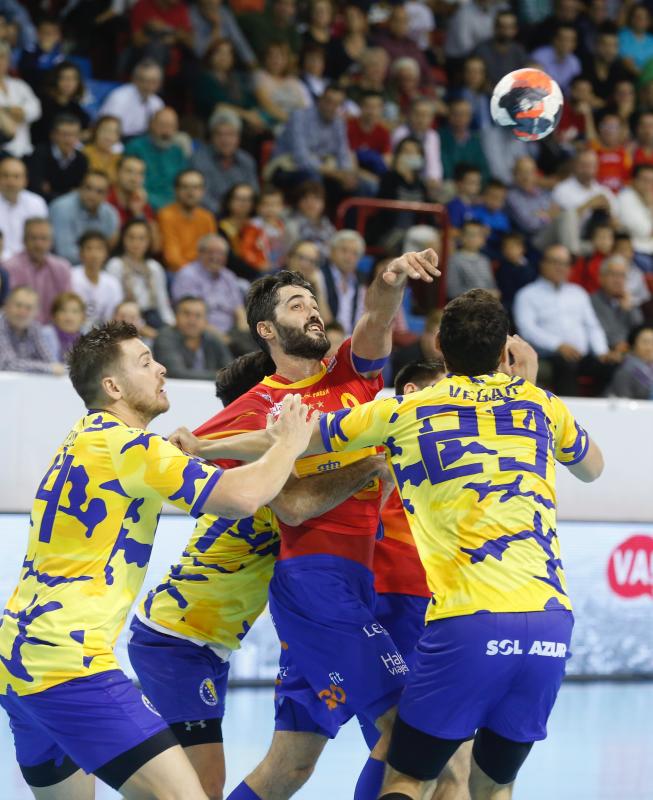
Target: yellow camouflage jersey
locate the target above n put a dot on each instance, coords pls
(473, 459)
(219, 587)
(91, 532)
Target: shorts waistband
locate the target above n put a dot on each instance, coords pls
(321, 562)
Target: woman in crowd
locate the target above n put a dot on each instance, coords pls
(634, 377)
(402, 182)
(104, 149)
(320, 21)
(237, 209)
(278, 91)
(68, 317)
(221, 84)
(142, 278)
(64, 90)
(347, 51)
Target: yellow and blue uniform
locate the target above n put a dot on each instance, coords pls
(186, 628)
(474, 461)
(92, 527)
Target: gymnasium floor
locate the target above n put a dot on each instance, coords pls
(600, 747)
(600, 744)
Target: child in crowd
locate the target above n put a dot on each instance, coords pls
(368, 137)
(467, 179)
(309, 220)
(585, 271)
(100, 291)
(237, 209)
(468, 268)
(615, 160)
(514, 270)
(313, 65)
(36, 61)
(263, 241)
(491, 212)
(68, 316)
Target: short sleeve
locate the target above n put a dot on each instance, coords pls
(362, 426)
(570, 440)
(147, 465)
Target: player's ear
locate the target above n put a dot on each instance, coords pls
(110, 387)
(410, 387)
(265, 330)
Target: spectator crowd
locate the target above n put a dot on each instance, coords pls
(157, 156)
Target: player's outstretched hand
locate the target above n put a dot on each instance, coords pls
(294, 425)
(186, 441)
(523, 357)
(420, 266)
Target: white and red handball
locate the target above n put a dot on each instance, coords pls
(529, 102)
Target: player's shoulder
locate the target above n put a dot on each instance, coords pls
(251, 405)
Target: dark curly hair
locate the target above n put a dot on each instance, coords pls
(473, 332)
(94, 354)
(263, 296)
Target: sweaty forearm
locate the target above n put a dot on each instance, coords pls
(241, 447)
(241, 491)
(305, 498)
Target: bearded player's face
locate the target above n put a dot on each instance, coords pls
(298, 324)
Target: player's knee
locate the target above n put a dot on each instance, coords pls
(297, 776)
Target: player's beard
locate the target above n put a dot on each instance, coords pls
(147, 407)
(296, 342)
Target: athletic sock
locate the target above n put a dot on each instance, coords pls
(394, 796)
(243, 792)
(370, 780)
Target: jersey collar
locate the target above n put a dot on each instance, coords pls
(277, 382)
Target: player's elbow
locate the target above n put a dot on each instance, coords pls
(591, 467)
(289, 516)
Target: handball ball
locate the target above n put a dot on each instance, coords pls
(529, 102)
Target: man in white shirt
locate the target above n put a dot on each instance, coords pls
(21, 105)
(583, 193)
(136, 102)
(16, 205)
(635, 213)
(558, 319)
(344, 288)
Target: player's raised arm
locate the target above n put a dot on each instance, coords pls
(371, 341)
(241, 491)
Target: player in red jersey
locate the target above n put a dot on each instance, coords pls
(334, 664)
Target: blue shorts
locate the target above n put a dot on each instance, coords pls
(336, 660)
(92, 720)
(402, 615)
(185, 681)
(496, 671)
